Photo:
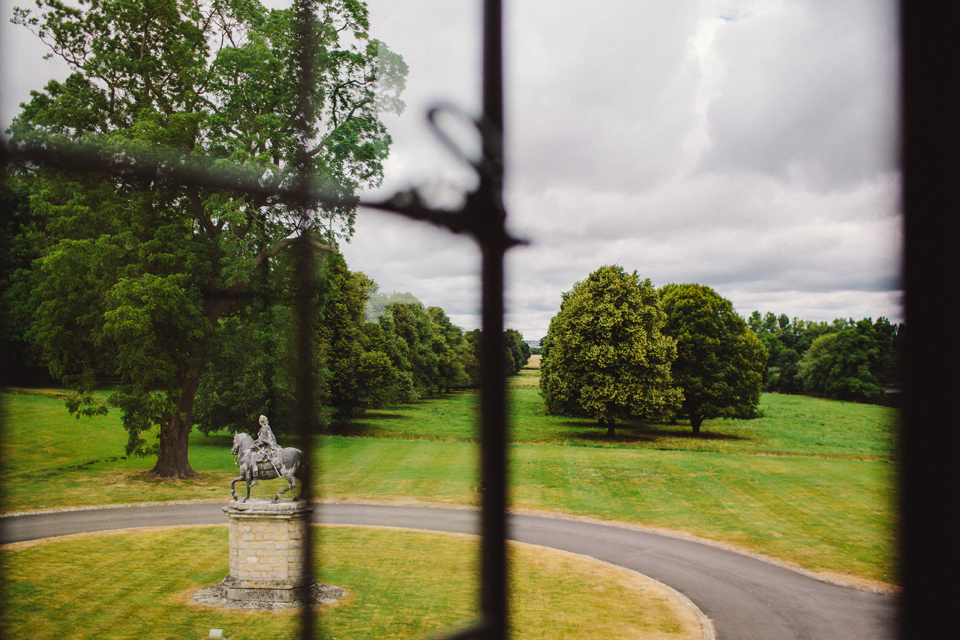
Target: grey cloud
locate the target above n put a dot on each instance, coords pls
(806, 90)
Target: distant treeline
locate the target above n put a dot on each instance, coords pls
(372, 350)
(856, 360)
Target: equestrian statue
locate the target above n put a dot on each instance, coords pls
(264, 458)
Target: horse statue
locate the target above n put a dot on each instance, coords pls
(291, 467)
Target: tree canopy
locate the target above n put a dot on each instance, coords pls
(139, 277)
(720, 362)
(605, 356)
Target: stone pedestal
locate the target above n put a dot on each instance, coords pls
(267, 552)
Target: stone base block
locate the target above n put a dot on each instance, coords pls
(265, 591)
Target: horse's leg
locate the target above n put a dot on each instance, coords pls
(289, 477)
(303, 482)
(246, 477)
(233, 493)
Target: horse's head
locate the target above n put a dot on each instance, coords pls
(238, 442)
(241, 442)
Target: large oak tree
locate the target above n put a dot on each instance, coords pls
(140, 273)
(605, 356)
(720, 361)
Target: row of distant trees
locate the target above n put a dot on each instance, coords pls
(856, 360)
(372, 350)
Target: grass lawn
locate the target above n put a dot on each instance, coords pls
(810, 483)
(400, 584)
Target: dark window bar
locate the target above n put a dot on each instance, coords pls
(930, 437)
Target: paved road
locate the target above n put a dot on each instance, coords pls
(745, 598)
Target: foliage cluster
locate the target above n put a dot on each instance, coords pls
(377, 302)
(845, 359)
(180, 295)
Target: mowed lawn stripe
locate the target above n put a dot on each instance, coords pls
(390, 469)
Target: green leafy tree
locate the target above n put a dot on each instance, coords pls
(720, 362)
(377, 302)
(854, 362)
(357, 374)
(605, 356)
(775, 333)
(519, 351)
(867, 363)
(141, 275)
(516, 353)
(246, 375)
(423, 342)
(889, 339)
(471, 356)
(382, 336)
(20, 245)
(453, 363)
(786, 341)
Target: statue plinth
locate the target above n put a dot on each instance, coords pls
(267, 552)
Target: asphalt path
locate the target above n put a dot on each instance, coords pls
(746, 598)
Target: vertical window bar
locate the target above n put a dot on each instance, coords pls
(929, 438)
(304, 270)
(493, 401)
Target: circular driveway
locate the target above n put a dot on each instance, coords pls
(746, 598)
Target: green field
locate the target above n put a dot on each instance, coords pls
(810, 483)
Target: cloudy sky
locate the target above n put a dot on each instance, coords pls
(746, 145)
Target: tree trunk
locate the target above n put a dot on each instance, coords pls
(173, 460)
(695, 422)
(610, 427)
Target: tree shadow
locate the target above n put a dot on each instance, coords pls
(352, 428)
(645, 433)
(392, 416)
(217, 440)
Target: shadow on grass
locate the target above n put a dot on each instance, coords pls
(55, 471)
(216, 442)
(391, 416)
(353, 429)
(631, 433)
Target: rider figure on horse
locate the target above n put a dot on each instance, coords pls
(267, 448)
